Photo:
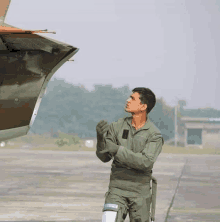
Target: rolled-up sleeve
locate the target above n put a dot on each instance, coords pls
(145, 159)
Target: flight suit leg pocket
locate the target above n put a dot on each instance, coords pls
(139, 210)
(113, 199)
(135, 205)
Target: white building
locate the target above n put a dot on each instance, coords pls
(202, 132)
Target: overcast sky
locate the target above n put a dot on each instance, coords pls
(169, 46)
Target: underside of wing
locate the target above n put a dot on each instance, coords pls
(4, 5)
(27, 62)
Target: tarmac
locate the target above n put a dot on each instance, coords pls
(70, 186)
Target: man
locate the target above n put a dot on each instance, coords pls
(134, 144)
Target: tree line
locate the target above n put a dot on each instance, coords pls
(73, 109)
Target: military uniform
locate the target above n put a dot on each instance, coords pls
(131, 170)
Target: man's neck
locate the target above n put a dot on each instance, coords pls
(139, 119)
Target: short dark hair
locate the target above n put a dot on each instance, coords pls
(146, 97)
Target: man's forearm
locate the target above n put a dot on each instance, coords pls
(100, 145)
(133, 160)
(104, 157)
(140, 161)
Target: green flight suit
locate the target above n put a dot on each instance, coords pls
(132, 165)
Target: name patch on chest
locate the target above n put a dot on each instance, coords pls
(125, 134)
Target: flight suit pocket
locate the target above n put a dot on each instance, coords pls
(136, 204)
(140, 209)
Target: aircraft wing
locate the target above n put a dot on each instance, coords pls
(4, 5)
(27, 63)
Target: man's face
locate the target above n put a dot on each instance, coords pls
(134, 104)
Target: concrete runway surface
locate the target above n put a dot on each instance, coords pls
(70, 186)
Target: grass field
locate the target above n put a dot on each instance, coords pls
(38, 142)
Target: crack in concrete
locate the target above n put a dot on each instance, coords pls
(177, 187)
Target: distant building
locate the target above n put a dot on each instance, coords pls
(202, 132)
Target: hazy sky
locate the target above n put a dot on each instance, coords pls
(169, 46)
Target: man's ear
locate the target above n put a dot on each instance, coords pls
(145, 106)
